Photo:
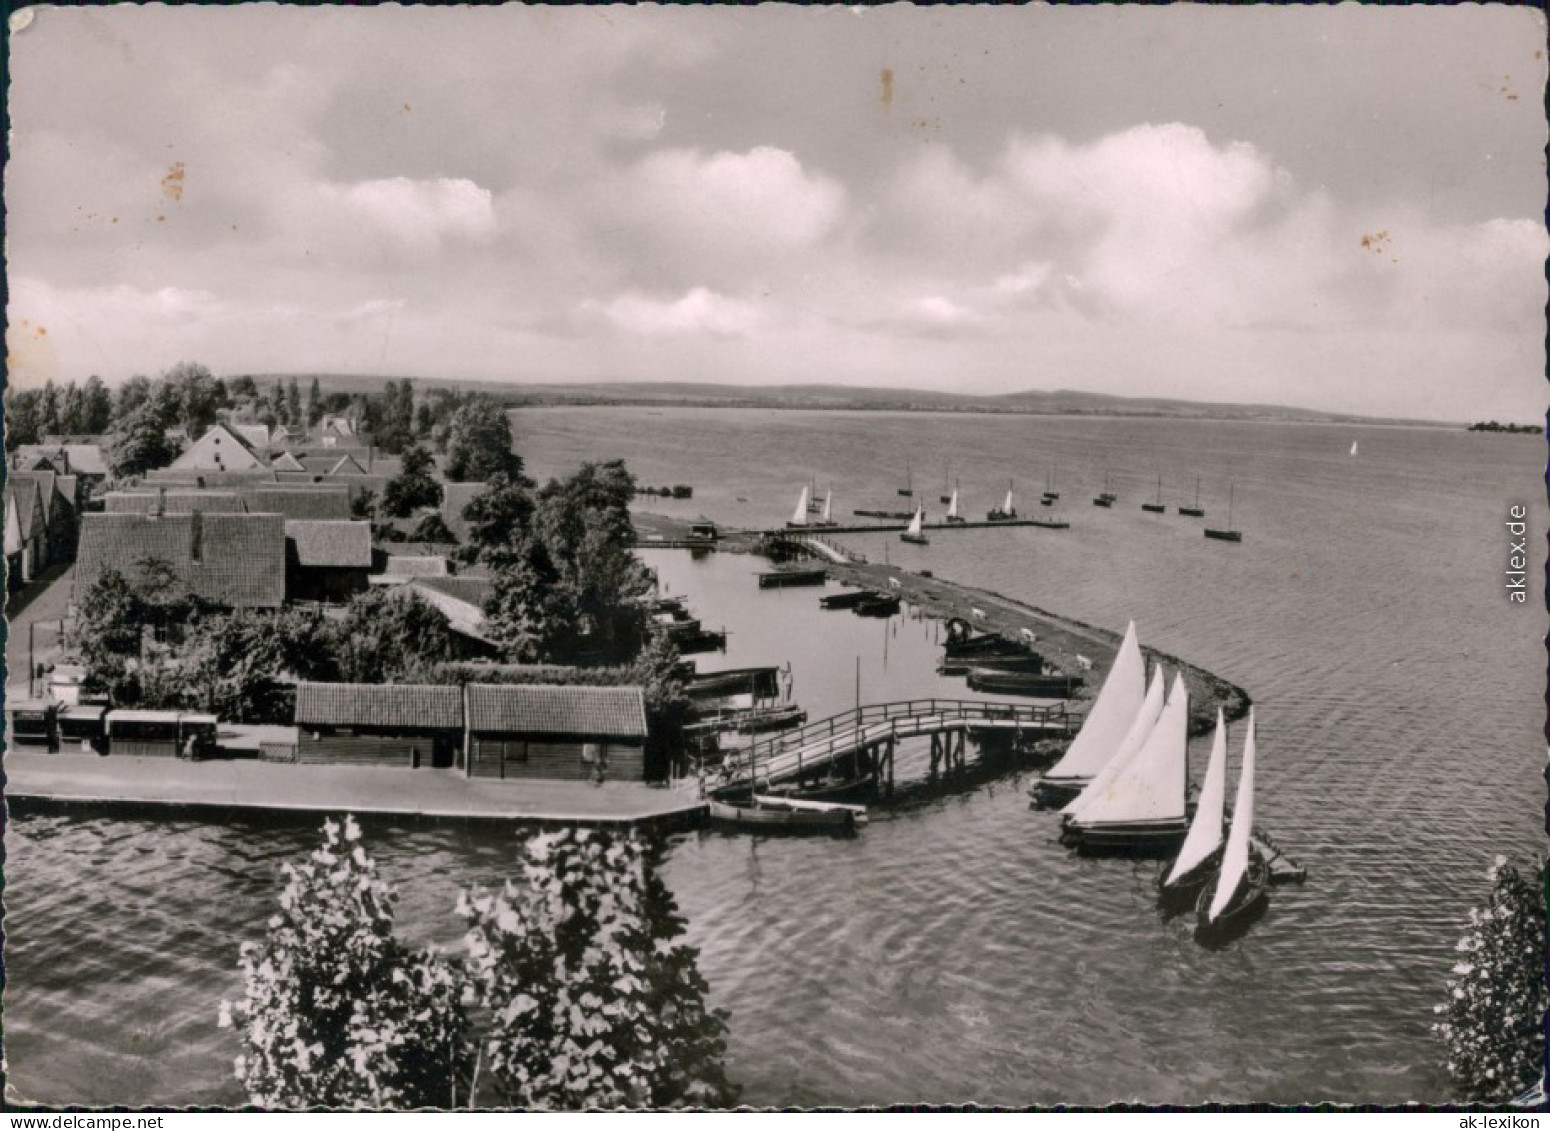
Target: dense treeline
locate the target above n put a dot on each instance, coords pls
(1493, 426)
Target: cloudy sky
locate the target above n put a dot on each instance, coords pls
(1341, 208)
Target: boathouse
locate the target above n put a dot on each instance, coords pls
(159, 734)
(368, 724)
(520, 731)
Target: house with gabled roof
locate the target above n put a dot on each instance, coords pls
(286, 461)
(26, 546)
(221, 448)
(86, 460)
(300, 501)
(518, 731)
(256, 435)
(390, 724)
(57, 495)
(231, 560)
(173, 500)
(327, 560)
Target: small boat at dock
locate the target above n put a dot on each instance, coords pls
(1243, 884)
(884, 514)
(792, 801)
(1228, 534)
(848, 599)
(908, 490)
(947, 495)
(952, 507)
(781, 816)
(962, 642)
(1034, 684)
(915, 532)
(1006, 512)
(880, 605)
(1012, 662)
(784, 578)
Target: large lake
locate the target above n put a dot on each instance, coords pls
(954, 951)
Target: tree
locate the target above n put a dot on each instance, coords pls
(244, 388)
(389, 636)
(363, 503)
(198, 398)
(72, 417)
(293, 402)
(231, 668)
(97, 409)
(132, 394)
(1497, 997)
(498, 517)
(314, 404)
(336, 1012)
(479, 443)
(432, 528)
(106, 633)
(277, 405)
(592, 1001)
(414, 486)
(140, 444)
(48, 410)
(528, 613)
(22, 417)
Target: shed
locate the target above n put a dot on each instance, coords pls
(326, 560)
(33, 723)
(389, 724)
(144, 734)
(550, 731)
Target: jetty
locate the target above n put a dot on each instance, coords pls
(863, 740)
(227, 787)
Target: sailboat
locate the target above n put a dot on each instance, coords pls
(1198, 859)
(1110, 717)
(952, 507)
(1353, 447)
(1157, 507)
(812, 501)
(1006, 512)
(799, 516)
(1229, 534)
(946, 495)
(908, 490)
(1195, 511)
(1141, 725)
(1049, 490)
(826, 517)
(913, 534)
(1242, 884)
(1106, 497)
(1141, 811)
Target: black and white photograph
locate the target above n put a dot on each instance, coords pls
(775, 556)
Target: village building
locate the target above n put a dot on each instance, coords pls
(234, 561)
(286, 461)
(221, 448)
(299, 501)
(395, 724)
(173, 500)
(461, 600)
(26, 541)
(87, 460)
(256, 436)
(60, 501)
(578, 733)
(327, 560)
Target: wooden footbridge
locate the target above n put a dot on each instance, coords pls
(862, 741)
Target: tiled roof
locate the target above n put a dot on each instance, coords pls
(45, 484)
(300, 501)
(237, 560)
(285, 461)
(464, 609)
(333, 544)
(254, 435)
(28, 506)
(473, 590)
(174, 502)
(84, 459)
(205, 477)
(407, 705)
(601, 712)
(401, 565)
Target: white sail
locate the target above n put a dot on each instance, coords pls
(1235, 860)
(1110, 717)
(1353, 447)
(1151, 785)
(1205, 831)
(799, 516)
(952, 507)
(1135, 737)
(915, 524)
(1006, 507)
(828, 505)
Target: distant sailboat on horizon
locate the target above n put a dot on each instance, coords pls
(1196, 511)
(1229, 534)
(1353, 447)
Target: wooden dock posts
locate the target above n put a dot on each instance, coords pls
(947, 753)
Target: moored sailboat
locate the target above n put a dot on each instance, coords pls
(1195, 511)
(908, 490)
(915, 532)
(1006, 512)
(1157, 507)
(799, 516)
(1243, 883)
(1104, 729)
(826, 517)
(1229, 534)
(1198, 859)
(952, 507)
(1142, 809)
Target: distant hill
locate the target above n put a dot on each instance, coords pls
(1058, 402)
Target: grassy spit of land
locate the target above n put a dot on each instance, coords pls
(1060, 640)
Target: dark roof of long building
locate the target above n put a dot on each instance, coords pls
(174, 501)
(236, 560)
(344, 544)
(300, 502)
(412, 706)
(586, 712)
(84, 459)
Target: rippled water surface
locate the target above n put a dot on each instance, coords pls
(954, 951)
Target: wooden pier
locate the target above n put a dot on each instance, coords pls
(891, 527)
(865, 740)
